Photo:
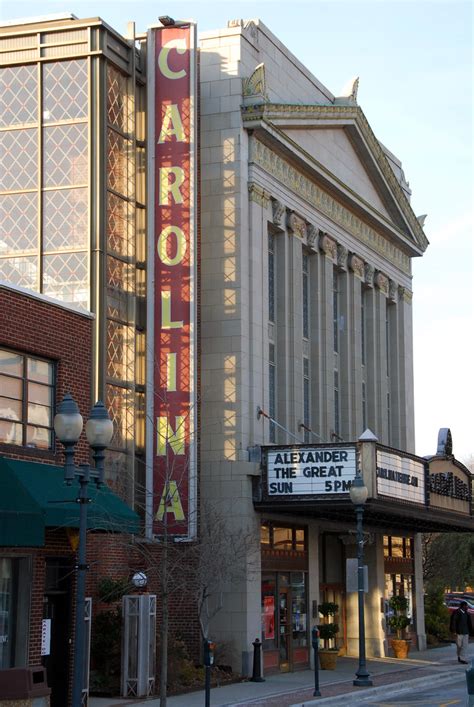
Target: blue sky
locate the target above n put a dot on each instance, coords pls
(414, 60)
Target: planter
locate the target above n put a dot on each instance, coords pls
(327, 659)
(400, 647)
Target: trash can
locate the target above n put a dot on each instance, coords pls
(25, 685)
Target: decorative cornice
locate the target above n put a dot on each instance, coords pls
(356, 264)
(278, 211)
(259, 195)
(296, 225)
(343, 113)
(272, 163)
(329, 247)
(381, 282)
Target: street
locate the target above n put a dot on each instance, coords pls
(437, 696)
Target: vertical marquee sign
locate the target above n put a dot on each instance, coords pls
(171, 465)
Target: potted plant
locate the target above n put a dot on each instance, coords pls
(398, 622)
(327, 632)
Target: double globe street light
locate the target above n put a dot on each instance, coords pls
(358, 493)
(68, 425)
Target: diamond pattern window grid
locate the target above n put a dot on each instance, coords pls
(117, 162)
(18, 160)
(18, 95)
(65, 155)
(20, 271)
(65, 90)
(117, 241)
(120, 407)
(116, 99)
(120, 345)
(65, 219)
(65, 277)
(19, 223)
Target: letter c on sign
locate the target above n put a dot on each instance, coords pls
(180, 46)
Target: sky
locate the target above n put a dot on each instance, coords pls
(414, 60)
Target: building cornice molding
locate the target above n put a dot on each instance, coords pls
(295, 115)
(293, 179)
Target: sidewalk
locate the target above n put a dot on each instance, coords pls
(389, 676)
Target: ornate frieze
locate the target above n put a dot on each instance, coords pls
(272, 163)
(341, 257)
(369, 272)
(258, 194)
(296, 225)
(356, 264)
(312, 236)
(381, 282)
(278, 211)
(329, 246)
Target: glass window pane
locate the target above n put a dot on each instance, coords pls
(40, 371)
(39, 414)
(11, 363)
(65, 277)
(65, 155)
(38, 437)
(397, 547)
(65, 219)
(117, 240)
(18, 160)
(116, 98)
(11, 387)
(299, 613)
(19, 219)
(117, 162)
(18, 95)
(65, 90)
(283, 538)
(20, 271)
(10, 409)
(40, 394)
(268, 612)
(265, 535)
(299, 539)
(11, 432)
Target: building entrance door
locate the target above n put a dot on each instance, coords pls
(57, 609)
(284, 625)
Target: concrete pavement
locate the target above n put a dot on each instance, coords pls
(389, 676)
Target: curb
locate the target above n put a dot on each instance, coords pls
(428, 680)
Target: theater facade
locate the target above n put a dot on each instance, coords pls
(251, 286)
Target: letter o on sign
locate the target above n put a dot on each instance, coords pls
(163, 242)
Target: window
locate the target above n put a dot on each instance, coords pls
(272, 390)
(364, 407)
(271, 277)
(362, 325)
(26, 400)
(335, 310)
(15, 584)
(306, 398)
(337, 414)
(305, 283)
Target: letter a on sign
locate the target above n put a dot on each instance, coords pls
(170, 502)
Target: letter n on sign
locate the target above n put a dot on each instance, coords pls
(171, 282)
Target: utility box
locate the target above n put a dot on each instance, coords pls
(139, 642)
(27, 686)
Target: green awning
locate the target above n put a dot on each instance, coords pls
(34, 497)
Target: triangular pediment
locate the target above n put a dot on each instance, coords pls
(335, 144)
(333, 149)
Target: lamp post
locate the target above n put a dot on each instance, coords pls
(358, 493)
(99, 431)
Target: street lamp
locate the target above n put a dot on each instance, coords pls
(358, 493)
(99, 431)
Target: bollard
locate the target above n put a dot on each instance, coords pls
(257, 662)
(470, 684)
(315, 643)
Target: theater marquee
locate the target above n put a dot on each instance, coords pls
(171, 334)
(310, 471)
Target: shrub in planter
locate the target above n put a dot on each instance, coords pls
(398, 623)
(328, 632)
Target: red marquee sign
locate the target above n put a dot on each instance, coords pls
(171, 477)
